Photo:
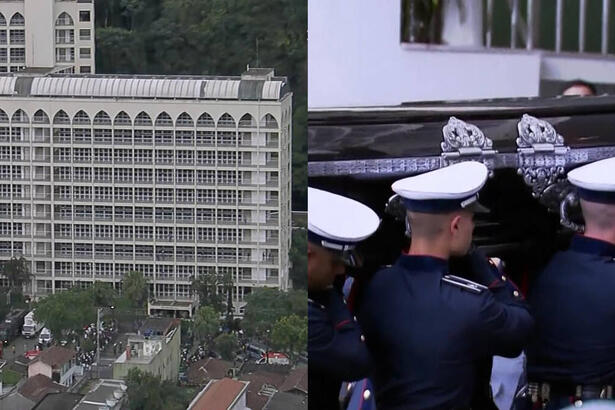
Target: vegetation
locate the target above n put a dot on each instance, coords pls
(134, 289)
(289, 334)
(212, 290)
(298, 257)
(17, 271)
(146, 391)
(214, 37)
(265, 306)
(10, 377)
(69, 310)
(206, 324)
(226, 344)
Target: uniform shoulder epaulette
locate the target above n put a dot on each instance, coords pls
(464, 283)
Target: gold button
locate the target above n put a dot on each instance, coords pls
(362, 338)
(349, 387)
(366, 394)
(516, 294)
(354, 318)
(504, 278)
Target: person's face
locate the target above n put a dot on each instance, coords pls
(461, 228)
(323, 267)
(578, 89)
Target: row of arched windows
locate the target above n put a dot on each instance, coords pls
(142, 119)
(16, 20)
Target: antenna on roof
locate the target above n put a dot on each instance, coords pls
(257, 59)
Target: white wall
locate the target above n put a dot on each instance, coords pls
(39, 33)
(355, 59)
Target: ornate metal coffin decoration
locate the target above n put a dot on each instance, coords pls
(542, 158)
(463, 141)
(571, 199)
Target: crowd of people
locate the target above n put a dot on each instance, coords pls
(420, 336)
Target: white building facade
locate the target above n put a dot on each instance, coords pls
(171, 177)
(47, 34)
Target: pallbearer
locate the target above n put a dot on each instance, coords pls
(434, 333)
(572, 358)
(336, 345)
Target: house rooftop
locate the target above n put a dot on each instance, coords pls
(218, 395)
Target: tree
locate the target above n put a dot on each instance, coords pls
(226, 344)
(17, 271)
(298, 257)
(134, 289)
(102, 293)
(206, 323)
(213, 289)
(68, 310)
(289, 334)
(266, 305)
(146, 391)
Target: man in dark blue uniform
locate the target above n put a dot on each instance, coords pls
(336, 346)
(431, 332)
(572, 356)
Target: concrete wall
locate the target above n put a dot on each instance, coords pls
(39, 33)
(165, 364)
(355, 58)
(39, 368)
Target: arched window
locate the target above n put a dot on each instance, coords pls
(226, 121)
(18, 20)
(102, 118)
(184, 120)
(205, 120)
(122, 119)
(143, 119)
(40, 117)
(268, 121)
(64, 19)
(164, 120)
(3, 117)
(20, 117)
(2, 20)
(81, 118)
(247, 121)
(61, 118)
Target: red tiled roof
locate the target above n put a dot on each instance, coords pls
(55, 356)
(220, 395)
(36, 387)
(207, 369)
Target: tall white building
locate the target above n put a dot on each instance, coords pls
(54, 35)
(174, 177)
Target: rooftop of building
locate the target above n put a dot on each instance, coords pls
(36, 387)
(218, 395)
(107, 392)
(153, 336)
(255, 84)
(55, 356)
(156, 326)
(207, 369)
(285, 401)
(263, 385)
(297, 380)
(58, 401)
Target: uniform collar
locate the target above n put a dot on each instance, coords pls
(424, 263)
(593, 246)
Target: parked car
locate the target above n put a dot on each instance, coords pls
(45, 338)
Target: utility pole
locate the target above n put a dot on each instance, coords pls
(98, 341)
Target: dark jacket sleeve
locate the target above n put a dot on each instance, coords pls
(335, 341)
(506, 324)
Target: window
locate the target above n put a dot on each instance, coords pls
(84, 15)
(64, 19)
(164, 195)
(123, 175)
(17, 20)
(205, 157)
(103, 212)
(206, 177)
(226, 196)
(163, 137)
(164, 120)
(164, 214)
(205, 196)
(85, 52)
(142, 213)
(103, 231)
(164, 176)
(144, 194)
(184, 215)
(185, 195)
(85, 69)
(164, 233)
(61, 118)
(184, 176)
(205, 138)
(123, 232)
(227, 157)
(18, 55)
(18, 36)
(3, 58)
(226, 121)
(102, 155)
(103, 269)
(103, 174)
(184, 157)
(85, 34)
(123, 194)
(143, 175)
(83, 193)
(143, 137)
(184, 234)
(2, 20)
(144, 232)
(102, 118)
(65, 55)
(206, 234)
(103, 193)
(122, 119)
(184, 120)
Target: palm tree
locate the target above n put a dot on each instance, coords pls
(17, 271)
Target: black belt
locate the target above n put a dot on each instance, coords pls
(543, 392)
